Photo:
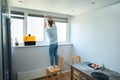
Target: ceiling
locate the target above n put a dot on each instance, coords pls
(69, 7)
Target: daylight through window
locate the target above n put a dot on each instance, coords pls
(34, 24)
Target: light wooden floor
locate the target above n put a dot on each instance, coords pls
(65, 76)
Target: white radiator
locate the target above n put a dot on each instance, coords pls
(31, 74)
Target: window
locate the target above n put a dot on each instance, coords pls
(17, 23)
(34, 24)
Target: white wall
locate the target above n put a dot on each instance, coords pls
(96, 36)
(25, 59)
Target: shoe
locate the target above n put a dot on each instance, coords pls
(50, 67)
(56, 66)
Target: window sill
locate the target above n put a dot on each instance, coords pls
(42, 45)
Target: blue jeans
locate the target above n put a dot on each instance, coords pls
(53, 48)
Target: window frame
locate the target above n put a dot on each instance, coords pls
(55, 16)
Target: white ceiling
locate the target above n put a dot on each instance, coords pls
(69, 7)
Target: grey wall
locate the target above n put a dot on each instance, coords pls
(31, 58)
(96, 36)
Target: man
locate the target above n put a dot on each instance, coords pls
(51, 30)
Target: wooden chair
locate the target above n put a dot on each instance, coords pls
(76, 74)
(55, 72)
(75, 59)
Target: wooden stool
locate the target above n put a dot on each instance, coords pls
(55, 72)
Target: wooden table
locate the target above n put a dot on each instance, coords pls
(86, 71)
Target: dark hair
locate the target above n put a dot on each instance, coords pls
(50, 23)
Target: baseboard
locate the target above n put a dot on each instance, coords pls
(31, 74)
(34, 74)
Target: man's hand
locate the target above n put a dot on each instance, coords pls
(45, 22)
(49, 18)
(45, 16)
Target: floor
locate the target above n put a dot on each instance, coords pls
(65, 76)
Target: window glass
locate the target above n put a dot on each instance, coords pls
(35, 27)
(62, 31)
(17, 29)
